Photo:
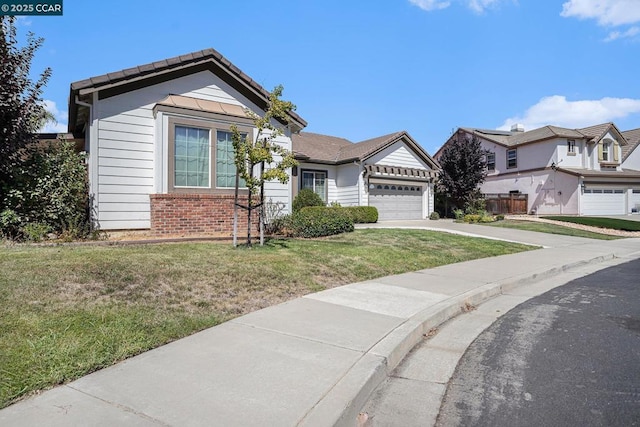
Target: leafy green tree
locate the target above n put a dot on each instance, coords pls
(22, 111)
(463, 171)
(43, 187)
(256, 159)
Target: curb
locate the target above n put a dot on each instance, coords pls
(342, 404)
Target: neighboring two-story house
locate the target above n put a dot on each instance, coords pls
(588, 171)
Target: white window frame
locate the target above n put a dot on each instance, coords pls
(315, 172)
(491, 164)
(513, 151)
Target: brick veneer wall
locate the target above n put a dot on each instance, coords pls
(196, 214)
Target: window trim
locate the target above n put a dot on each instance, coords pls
(606, 146)
(515, 158)
(326, 181)
(571, 147)
(194, 187)
(213, 127)
(492, 163)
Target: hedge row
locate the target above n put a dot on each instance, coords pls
(318, 221)
(361, 214)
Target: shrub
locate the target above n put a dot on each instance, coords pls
(471, 218)
(458, 214)
(35, 231)
(51, 190)
(476, 205)
(10, 224)
(434, 216)
(361, 214)
(306, 197)
(272, 217)
(482, 217)
(318, 221)
(499, 217)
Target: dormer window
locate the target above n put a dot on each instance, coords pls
(606, 146)
(608, 151)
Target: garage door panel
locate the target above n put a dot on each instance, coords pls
(397, 202)
(603, 201)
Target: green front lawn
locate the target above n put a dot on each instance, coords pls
(613, 223)
(68, 311)
(544, 227)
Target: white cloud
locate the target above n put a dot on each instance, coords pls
(479, 6)
(615, 35)
(556, 110)
(430, 4)
(61, 116)
(606, 12)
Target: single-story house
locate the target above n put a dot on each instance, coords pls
(587, 171)
(160, 155)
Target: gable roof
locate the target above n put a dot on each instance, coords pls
(129, 79)
(313, 147)
(633, 139)
(514, 139)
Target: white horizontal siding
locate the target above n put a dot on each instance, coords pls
(124, 225)
(124, 198)
(129, 128)
(132, 181)
(125, 162)
(133, 155)
(123, 138)
(125, 172)
(124, 207)
(123, 216)
(348, 196)
(124, 189)
(398, 155)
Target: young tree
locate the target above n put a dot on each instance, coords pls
(22, 111)
(463, 171)
(255, 154)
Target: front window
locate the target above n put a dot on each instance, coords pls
(491, 161)
(316, 181)
(605, 151)
(571, 146)
(191, 157)
(512, 159)
(225, 161)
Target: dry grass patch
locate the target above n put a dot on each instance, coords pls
(68, 310)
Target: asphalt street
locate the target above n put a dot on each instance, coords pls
(569, 357)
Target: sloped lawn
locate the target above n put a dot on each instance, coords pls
(66, 311)
(545, 227)
(613, 223)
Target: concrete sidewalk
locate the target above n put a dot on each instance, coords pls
(313, 361)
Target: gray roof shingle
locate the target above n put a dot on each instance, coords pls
(327, 149)
(206, 57)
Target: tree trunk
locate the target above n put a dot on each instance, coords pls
(261, 210)
(235, 212)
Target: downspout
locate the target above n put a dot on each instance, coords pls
(92, 160)
(360, 189)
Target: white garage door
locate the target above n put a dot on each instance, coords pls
(603, 201)
(396, 201)
(634, 201)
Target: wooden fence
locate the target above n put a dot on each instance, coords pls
(506, 203)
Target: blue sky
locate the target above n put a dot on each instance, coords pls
(360, 69)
